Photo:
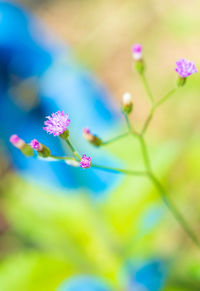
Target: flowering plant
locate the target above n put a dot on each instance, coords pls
(58, 123)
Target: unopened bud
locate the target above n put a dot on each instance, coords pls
(43, 151)
(137, 56)
(127, 103)
(93, 139)
(21, 145)
(17, 141)
(137, 52)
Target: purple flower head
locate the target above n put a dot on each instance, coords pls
(36, 145)
(137, 51)
(57, 123)
(85, 162)
(16, 141)
(185, 68)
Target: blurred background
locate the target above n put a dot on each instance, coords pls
(68, 230)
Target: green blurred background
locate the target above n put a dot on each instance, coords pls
(45, 237)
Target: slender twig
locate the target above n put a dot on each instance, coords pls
(145, 153)
(128, 123)
(148, 120)
(147, 88)
(119, 171)
(154, 107)
(178, 216)
(75, 153)
(165, 98)
(115, 139)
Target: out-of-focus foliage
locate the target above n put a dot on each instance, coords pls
(53, 236)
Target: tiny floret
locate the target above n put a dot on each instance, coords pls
(16, 141)
(85, 162)
(36, 145)
(185, 68)
(126, 98)
(137, 51)
(57, 123)
(127, 103)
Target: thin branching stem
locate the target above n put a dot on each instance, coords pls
(119, 171)
(75, 153)
(147, 88)
(175, 212)
(154, 107)
(115, 139)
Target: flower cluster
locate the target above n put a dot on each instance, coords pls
(57, 124)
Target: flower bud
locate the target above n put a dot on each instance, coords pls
(127, 104)
(93, 139)
(85, 162)
(21, 145)
(43, 151)
(137, 56)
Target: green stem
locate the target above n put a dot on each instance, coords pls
(119, 171)
(163, 194)
(115, 139)
(147, 88)
(165, 98)
(59, 158)
(76, 155)
(128, 123)
(148, 120)
(145, 153)
(154, 107)
(178, 216)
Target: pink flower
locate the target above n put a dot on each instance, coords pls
(16, 141)
(57, 123)
(36, 145)
(185, 68)
(85, 162)
(137, 51)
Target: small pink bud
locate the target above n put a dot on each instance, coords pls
(17, 141)
(36, 145)
(137, 52)
(93, 139)
(85, 162)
